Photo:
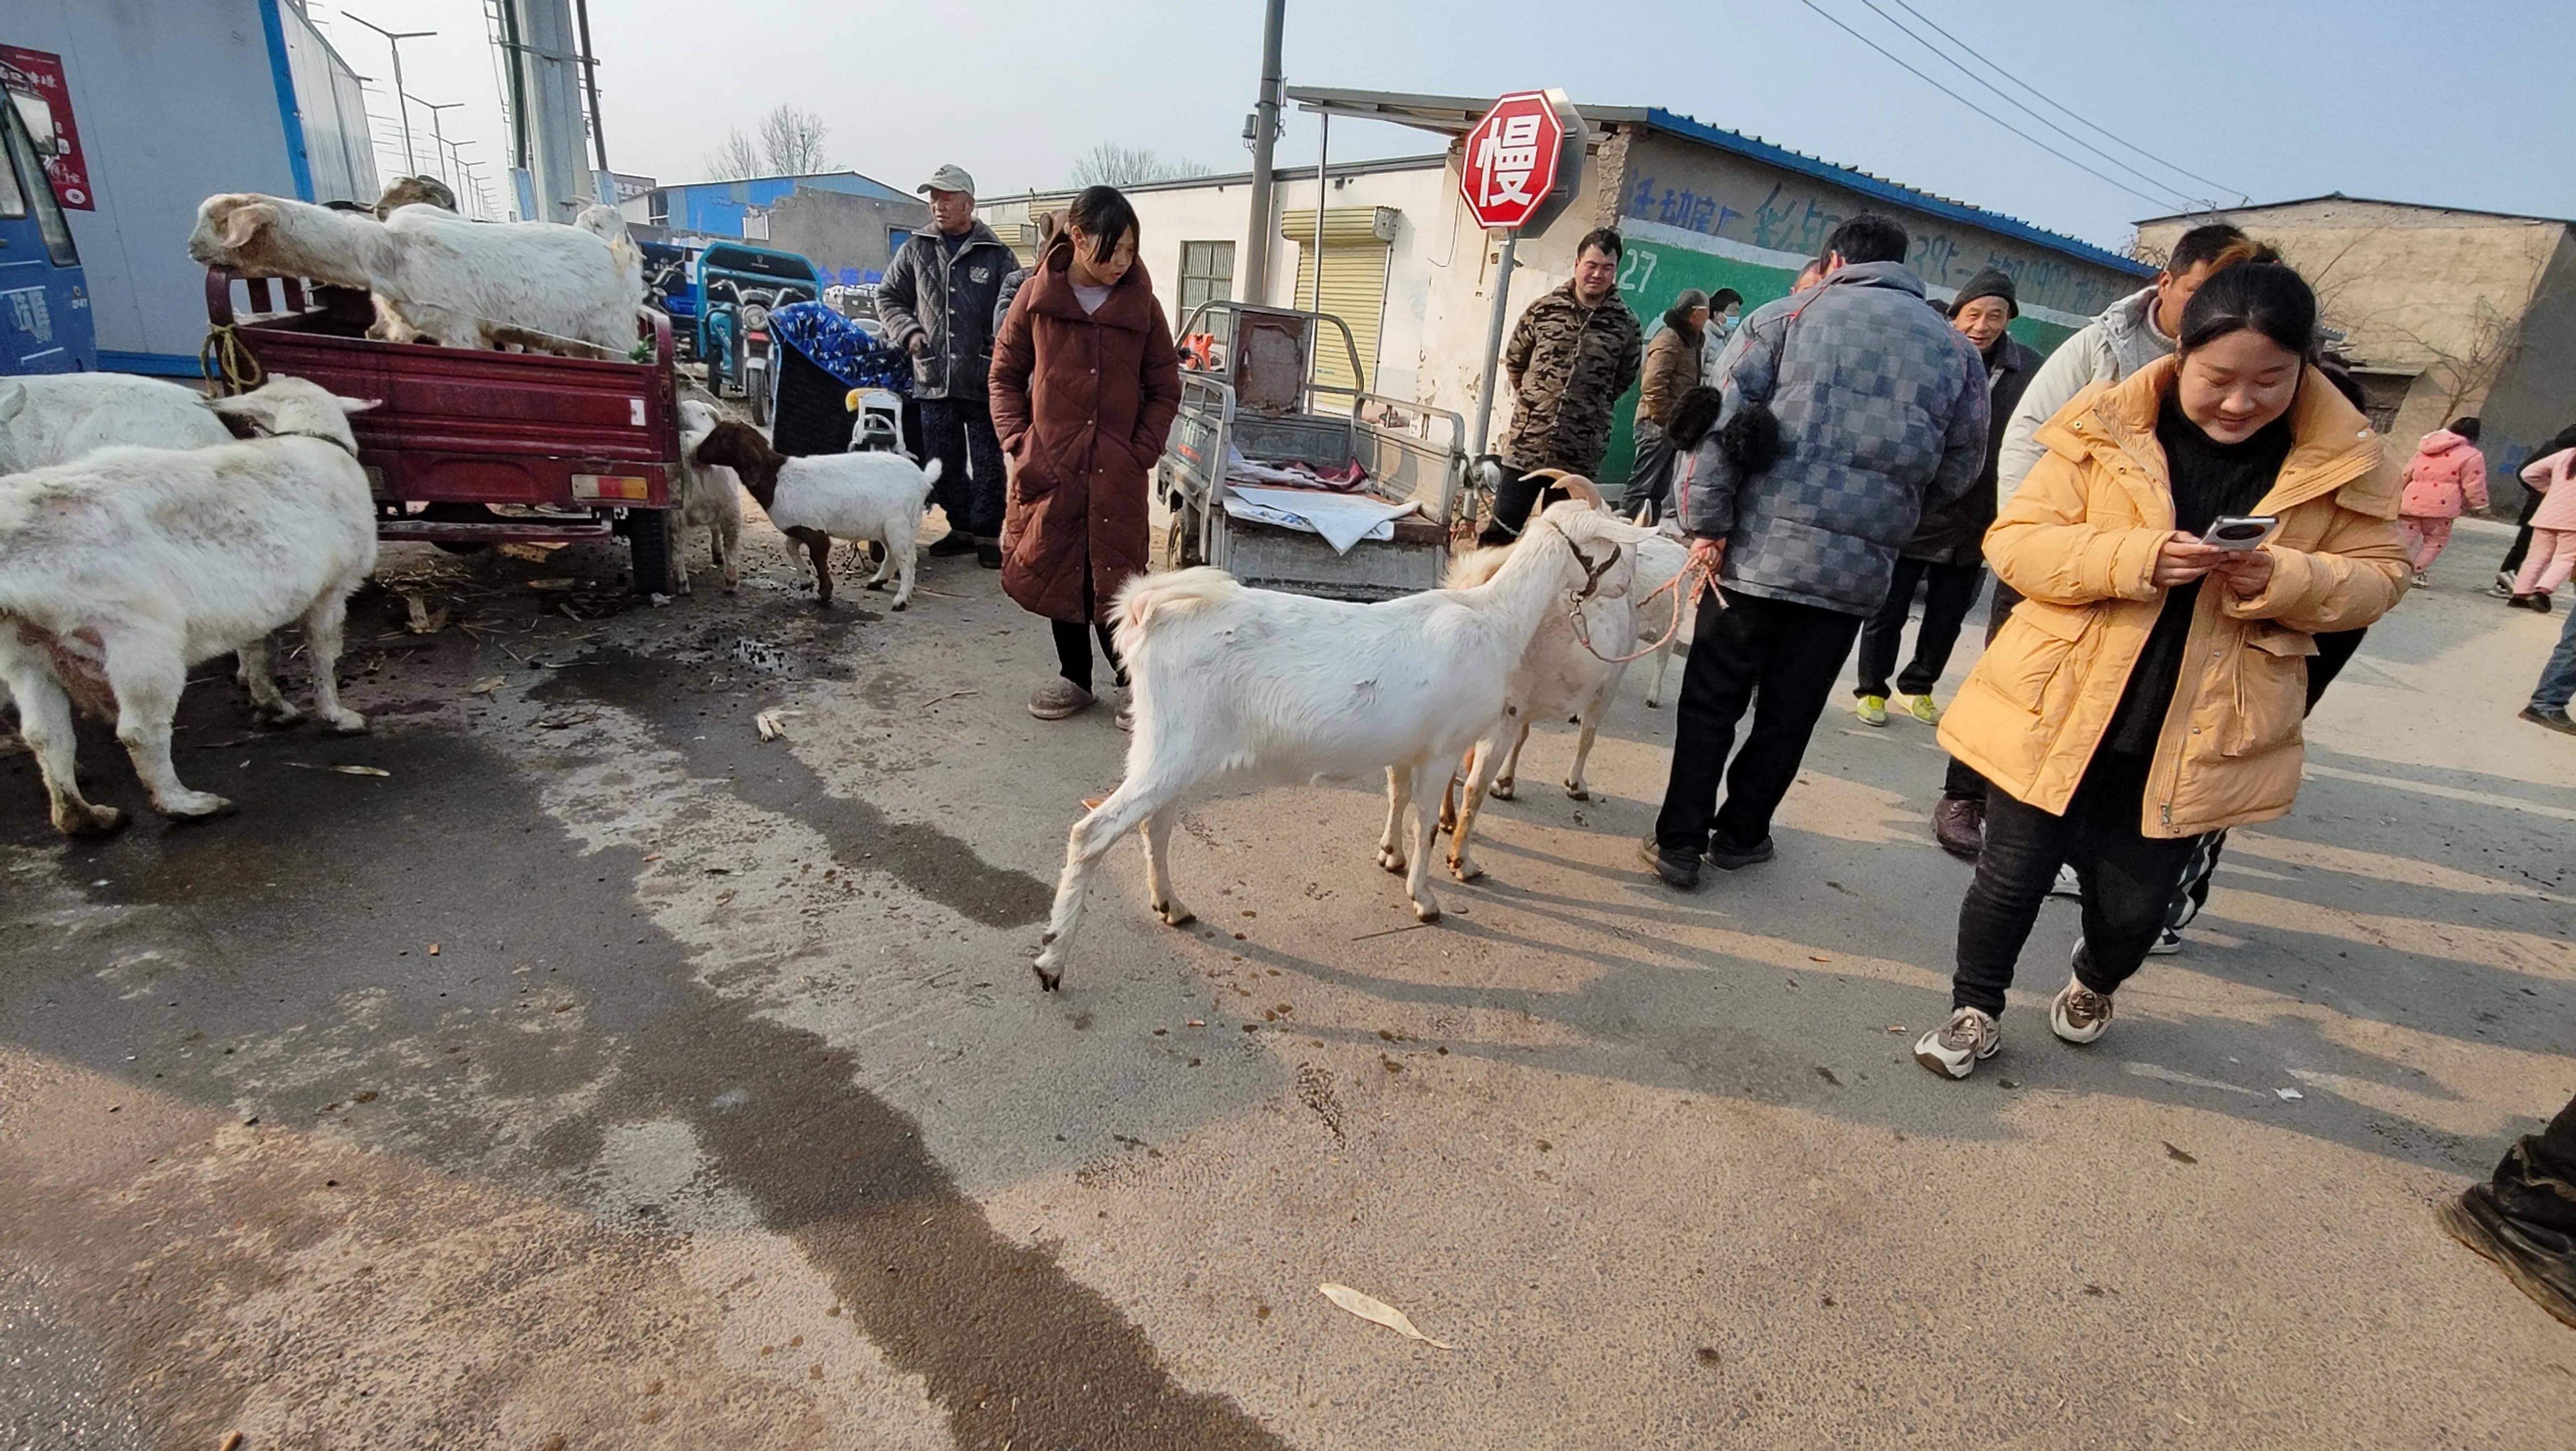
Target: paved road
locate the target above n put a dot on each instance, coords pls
(604, 1077)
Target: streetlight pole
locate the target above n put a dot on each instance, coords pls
(393, 42)
(1265, 129)
(438, 133)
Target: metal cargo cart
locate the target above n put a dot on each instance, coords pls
(1257, 399)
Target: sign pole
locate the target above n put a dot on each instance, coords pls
(1494, 339)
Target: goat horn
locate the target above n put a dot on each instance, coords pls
(1572, 483)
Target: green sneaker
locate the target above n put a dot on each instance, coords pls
(1921, 708)
(1873, 710)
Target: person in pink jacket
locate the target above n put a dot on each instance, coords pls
(2446, 478)
(2553, 532)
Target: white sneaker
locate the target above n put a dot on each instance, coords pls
(1953, 1049)
(2078, 1014)
(2067, 885)
(2167, 943)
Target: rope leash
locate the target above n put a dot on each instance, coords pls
(225, 362)
(1691, 572)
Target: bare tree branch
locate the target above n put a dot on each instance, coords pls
(1109, 164)
(734, 160)
(792, 140)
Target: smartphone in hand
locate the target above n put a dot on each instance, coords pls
(2241, 531)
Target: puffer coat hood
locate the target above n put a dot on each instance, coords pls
(2446, 478)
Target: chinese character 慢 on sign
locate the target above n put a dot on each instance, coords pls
(1507, 158)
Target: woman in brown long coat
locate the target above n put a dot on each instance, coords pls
(1085, 385)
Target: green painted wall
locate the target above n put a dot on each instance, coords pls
(1653, 272)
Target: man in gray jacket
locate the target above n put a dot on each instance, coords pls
(937, 300)
(1882, 411)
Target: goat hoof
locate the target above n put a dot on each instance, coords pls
(1463, 871)
(275, 717)
(1048, 981)
(88, 820)
(1576, 791)
(1175, 915)
(348, 722)
(1426, 915)
(195, 806)
(898, 605)
(1390, 860)
(1503, 789)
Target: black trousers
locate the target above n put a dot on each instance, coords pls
(959, 433)
(2522, 533)
(2535, 1184)
(2129, 879)
(1513, 500)
(1073, 643)
(1948, 591)
(1777, 657)
(1963, 784)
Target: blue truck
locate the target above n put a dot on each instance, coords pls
(45, 321)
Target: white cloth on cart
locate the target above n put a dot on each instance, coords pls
(1343, 519)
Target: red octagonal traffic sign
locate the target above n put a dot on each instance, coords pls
(1517, 164)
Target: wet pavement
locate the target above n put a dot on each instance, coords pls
(602, 1075)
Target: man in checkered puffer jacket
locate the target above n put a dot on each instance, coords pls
(1882, 410)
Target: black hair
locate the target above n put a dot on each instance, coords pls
(2467, 428)
(1868, 238)
(2265, 297)
(1604, 239)
(1103, 214)
(2216, 242)
(1694, 414)
(1724, 298)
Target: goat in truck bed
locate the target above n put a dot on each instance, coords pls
(120, 571)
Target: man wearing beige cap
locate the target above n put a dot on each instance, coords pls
(937, 302)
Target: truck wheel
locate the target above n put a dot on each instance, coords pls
(648, 544)
(1181, 543)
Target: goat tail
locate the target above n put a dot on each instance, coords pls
(930, 472)
(1150, 600)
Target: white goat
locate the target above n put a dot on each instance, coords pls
(1557, 676)
(54, 418)
(120, 571)
(441, 277)
(855, 496)
(710, 499)
(1246, 686)
(1661, 557)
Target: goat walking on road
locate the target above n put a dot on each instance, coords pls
(861, 497)
(121, 570)
(1240, 686)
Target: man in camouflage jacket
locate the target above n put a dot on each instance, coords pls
(1575, 351)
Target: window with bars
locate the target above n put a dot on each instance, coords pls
(1207, 273)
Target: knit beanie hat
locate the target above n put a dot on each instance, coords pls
(1989, 283)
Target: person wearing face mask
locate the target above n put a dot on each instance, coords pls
(1085, 385)
(2149, 687)
(1725, 309)
(1945, 559)
(1572, 354)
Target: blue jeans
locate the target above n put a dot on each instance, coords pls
(2558, 677)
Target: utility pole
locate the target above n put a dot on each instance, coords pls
(438, 132)
(1265, 130)
(393, 42)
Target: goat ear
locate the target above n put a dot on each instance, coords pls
(250, 406)
(357, 405)
(244, 223)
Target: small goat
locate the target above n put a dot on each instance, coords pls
(539, 285)
(120, 571)
(710, 499)
(874, 497)
(1247, 686)
(54, 418)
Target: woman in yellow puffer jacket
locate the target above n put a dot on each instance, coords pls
(2150, 686)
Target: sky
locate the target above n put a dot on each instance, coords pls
(2269, 99)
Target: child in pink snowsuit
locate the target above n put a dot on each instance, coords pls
(2553, 531)
(2446, 478)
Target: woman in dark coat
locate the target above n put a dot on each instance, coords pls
(1085, 385)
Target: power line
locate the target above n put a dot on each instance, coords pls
(2008, 100)
(2062, 110)
(1982, 111)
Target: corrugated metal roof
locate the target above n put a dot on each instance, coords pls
(2336, 196)
(1455, 115)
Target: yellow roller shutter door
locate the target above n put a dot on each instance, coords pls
(1355, 252)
